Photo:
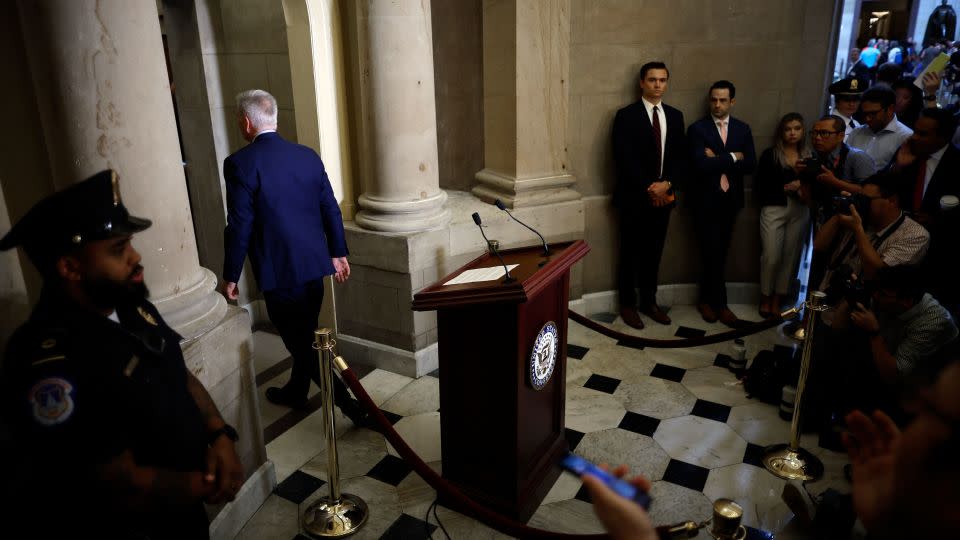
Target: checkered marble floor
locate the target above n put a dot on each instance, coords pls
(678, 416)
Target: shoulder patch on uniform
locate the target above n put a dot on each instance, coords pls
(52, 401)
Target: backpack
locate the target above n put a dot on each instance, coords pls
(767, 374)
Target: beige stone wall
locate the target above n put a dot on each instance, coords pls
(774, 52)
(219, 48)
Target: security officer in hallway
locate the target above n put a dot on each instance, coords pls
(112, 436)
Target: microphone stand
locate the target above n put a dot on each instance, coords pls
(546, 248)
(506, 272)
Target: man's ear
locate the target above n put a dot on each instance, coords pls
(69, 268)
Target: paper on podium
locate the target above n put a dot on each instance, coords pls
(477, 275)
(938, 64)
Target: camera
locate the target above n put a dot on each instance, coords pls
(812, 166)
(841, 204)
(843, 285)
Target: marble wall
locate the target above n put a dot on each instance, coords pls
(217, 50)
(775, 52)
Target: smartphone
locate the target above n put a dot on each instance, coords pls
(579, 466)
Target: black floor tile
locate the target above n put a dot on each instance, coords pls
(576, 351)
(390, 470)
(670, 373)
(298, 486)
(711, 410)
(687, 332)
(393, 417)
(573, 438)
(631, 345)
(638, 423)
(583, 495)
(722, 360)
(435, 373)
(407, 527)
(753, 455)
(602, 383)
(604, 317)
(687, 475)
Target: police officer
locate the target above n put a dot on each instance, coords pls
(119, 439)
(846, 100)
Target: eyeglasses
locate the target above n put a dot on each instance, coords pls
(823, 132)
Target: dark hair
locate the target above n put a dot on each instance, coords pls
(907, 280)
(720, 85)
(880, 93)
(886, 182)
(838, 123)
(946, 121)
(653, 65)
(889, 72)
(778, 154)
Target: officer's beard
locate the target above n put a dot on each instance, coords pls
(107, 293)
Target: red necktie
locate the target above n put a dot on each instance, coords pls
(724, 182)
(918, 187)
(658, 139)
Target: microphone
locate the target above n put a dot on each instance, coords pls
(546, 249)
(507, 278)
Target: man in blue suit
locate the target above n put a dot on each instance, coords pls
(723, 153)
(282, 213)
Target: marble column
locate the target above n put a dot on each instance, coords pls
(401, 182)
(526, 68)
(103, 92)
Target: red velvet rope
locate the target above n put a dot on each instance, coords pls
(638, 341)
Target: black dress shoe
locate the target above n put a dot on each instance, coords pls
(654, 312)
(279, 396)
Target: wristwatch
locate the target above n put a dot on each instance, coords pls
(227, 430)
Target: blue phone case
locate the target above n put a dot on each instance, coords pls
(579, 466)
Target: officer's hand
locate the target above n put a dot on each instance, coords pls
(224, 471)
(230, 290)
(342, 267)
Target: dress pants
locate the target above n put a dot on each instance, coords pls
(643, 231)
(294, 313)
(783, 230)
(714, 227)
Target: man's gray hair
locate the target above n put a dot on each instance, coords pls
(260, 107)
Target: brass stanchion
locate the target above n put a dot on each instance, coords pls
(340, 514)
(789, 461)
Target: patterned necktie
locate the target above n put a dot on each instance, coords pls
(658, 139)
(918, 187)
(724, 182)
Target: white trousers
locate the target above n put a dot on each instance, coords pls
(782, 232)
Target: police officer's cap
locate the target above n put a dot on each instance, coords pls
(851, 87)
(84, 212)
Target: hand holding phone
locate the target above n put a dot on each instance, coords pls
(579, 466)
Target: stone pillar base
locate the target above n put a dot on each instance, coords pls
(195, 309)
(376, 325)
(520, 192)
(222, 359)
(402, 216)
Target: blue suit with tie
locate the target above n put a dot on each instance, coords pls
(282, 213)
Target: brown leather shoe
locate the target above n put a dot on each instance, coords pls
(707, 313)
(654, 312)
(631, 318)
(728, 318)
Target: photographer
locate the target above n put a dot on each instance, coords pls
(907, 328)
(894, 238)
(835, 166)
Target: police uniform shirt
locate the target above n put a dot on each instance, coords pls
(80, 389)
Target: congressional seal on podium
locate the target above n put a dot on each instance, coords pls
(543, 357)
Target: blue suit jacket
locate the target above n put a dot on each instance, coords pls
(282, 212)
(704, 184)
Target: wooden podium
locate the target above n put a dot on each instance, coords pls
(502, 439)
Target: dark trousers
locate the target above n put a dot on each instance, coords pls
(643, 231)
(294, 313)
(714, 228)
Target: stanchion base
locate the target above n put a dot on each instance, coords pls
(323, 519)
(792, 464)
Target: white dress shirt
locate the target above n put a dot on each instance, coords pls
(726, 121)
(846, 122)
(663, 128)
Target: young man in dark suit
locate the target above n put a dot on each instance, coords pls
(282, 212)
(649, 149)
(722, 152)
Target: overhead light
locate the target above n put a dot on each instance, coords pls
(880, 14)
